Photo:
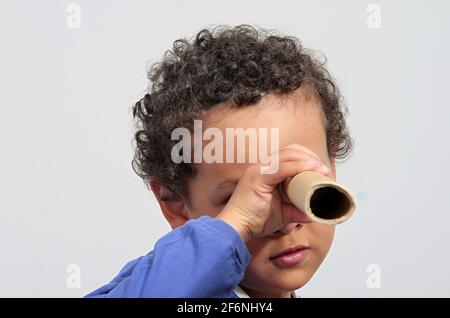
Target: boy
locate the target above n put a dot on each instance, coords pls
(234, 233)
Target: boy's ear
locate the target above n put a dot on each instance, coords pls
(174, 210)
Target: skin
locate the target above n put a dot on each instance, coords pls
(300, 121)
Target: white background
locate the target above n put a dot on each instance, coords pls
(69, 194)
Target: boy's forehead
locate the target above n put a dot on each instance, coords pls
(299, 120)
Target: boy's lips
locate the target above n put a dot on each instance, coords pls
(290, 250)
(290, 256)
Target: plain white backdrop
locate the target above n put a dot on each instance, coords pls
(69, 194)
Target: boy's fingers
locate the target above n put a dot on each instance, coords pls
(301, 148)
(289, 154)
(286, 170)
(294, 154)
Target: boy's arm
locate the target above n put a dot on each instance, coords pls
(205, 257)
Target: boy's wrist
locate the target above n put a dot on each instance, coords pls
(231, 219)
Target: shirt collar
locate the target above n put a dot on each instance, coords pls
(242, 294)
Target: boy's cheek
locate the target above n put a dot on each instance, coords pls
(257, 247)
(323, 236)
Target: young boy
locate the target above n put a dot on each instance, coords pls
(234, 233)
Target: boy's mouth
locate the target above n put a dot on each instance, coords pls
(290, 256)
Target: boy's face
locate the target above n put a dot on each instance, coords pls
(299, 120)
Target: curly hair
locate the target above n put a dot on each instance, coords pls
(224, 64)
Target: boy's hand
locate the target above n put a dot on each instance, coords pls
(255, 208)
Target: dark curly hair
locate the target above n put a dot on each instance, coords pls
(234, 64)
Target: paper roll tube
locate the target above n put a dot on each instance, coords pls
(319, 197)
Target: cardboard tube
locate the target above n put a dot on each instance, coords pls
(319, 197)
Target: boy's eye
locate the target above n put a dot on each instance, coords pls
(225, 201)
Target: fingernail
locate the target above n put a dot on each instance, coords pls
(325, 169)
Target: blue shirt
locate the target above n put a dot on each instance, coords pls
(205, 257)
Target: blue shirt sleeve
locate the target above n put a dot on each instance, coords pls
(205, 257)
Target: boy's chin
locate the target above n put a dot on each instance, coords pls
(292, 281)
(284, 282)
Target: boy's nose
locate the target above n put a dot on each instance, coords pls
(287, 228)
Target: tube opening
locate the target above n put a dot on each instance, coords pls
(329, 203)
